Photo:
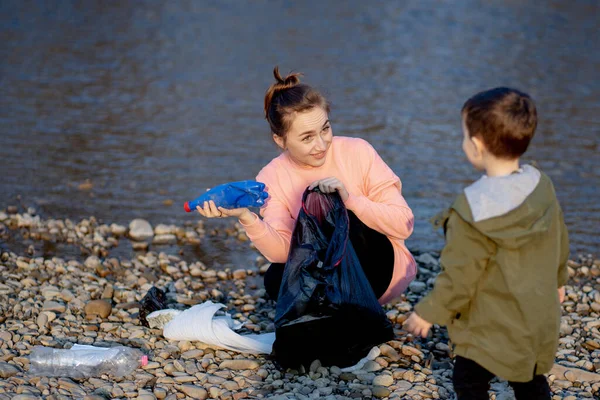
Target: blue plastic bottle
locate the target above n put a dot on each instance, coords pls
(232, 195)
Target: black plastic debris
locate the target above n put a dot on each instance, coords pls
(154, 300)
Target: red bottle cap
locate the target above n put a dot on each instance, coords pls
(186, 206)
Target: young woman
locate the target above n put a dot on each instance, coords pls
(380, 219)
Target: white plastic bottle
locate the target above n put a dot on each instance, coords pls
(85, 361)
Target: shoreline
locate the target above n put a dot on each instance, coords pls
(52, 301)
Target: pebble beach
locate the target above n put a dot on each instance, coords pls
(93, 299)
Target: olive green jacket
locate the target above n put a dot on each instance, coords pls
(497, 291)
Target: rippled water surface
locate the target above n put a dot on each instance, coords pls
(150, 102)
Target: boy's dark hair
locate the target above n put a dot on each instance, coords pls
(505, 119)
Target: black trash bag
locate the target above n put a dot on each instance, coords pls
(326, 308)
(154, 300)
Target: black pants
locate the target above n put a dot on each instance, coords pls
(373, 249)
(472, 382)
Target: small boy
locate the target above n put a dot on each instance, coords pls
(504, 262)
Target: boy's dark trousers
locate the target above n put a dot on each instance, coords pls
(472, 382)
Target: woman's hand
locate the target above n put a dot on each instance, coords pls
(330, 185)
(417, 325)
(210, 210)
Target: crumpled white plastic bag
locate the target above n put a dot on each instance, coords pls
(373, 354)
(200, 323)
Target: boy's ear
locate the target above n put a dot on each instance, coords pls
(479, 146)
(279, 141)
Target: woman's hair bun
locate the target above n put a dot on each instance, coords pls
(287, 96)
(289, 81)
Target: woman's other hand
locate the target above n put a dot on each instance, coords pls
(330, 185)
(210, 210)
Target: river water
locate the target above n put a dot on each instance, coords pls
(127, 109)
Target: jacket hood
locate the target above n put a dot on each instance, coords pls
(510, 210)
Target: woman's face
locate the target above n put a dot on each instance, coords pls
(309, 138)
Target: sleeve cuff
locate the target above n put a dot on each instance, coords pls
(433, 314)
(255, 229)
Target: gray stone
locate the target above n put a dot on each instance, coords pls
(164, 239)
(427, 259)
(417, 287)
(146, 396)
(162, 229)
(195, 392)
(411, 351)
(101, 308)
(7, 370)
(403, 385)
(53, 306)
(117, 230)
(139, 246)
(347, 376)
(565, 329)
(239, 274)
(315, 365)
(195, 353)
(42, 320)
(230, 385)
(576, 374)
(383, 380)
(380, 391)
(371, 366)
(389, 352)
(140, 229)
(239, 364)
(92, 262)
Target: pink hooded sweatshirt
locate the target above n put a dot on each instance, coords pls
(375, 198)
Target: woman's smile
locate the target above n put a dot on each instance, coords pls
(320, 155)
